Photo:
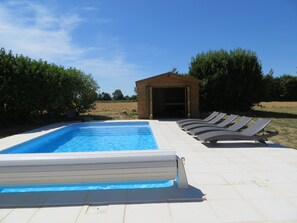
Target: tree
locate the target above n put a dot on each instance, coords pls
(133, 97)
(84, 90)
(117, 95)
(288, 86)
(174, 70)
(283, 88)
(271, 90)
(105, 96)
(31, 88)
(231, 81)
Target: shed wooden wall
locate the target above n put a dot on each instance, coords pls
(167, 80)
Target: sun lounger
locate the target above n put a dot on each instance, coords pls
(215, 120)
(224, 123)
(250, 133)
(235, 127)
(208, 118)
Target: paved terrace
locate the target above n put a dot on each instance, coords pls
(230, 182)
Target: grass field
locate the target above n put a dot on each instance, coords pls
(114, 110)
(284, 120)
(283, 115)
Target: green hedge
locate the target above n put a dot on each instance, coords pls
(31, 88)
(231, 81)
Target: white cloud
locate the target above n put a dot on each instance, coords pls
(41, 33)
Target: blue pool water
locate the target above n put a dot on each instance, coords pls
(93, 186)
(91, 137)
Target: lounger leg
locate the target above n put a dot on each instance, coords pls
(182, 181)
(262, 141)
(213, 141)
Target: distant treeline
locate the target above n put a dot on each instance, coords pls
(283, 88)
(31, 88)
(117, 95)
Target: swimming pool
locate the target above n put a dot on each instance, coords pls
(91, 137)
(67, 159)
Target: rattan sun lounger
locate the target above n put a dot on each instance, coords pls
(235, 127)
(215, 120)
(250, 133)
(224, 123)
(208, 118)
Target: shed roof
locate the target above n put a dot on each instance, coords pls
(182, 78)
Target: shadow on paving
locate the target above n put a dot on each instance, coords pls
(270, 114)
(14, 129)
(46, 127)
(100, 197)
(95, 118)
(243, 145)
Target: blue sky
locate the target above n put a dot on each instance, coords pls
(119, 42)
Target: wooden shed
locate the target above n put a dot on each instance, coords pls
(168, 95)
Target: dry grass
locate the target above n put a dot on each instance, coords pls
(284, 120)
(278, 104)
(114, 110)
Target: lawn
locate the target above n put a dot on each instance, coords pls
(284, 120)
(283, 115)
(113, 110)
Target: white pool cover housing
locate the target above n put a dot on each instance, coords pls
(91, 167)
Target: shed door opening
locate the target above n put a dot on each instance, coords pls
(169, 102)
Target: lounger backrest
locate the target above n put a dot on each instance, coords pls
(227, 121)
(217, 118)
(208, 118)
(211, 116)
(241, 123)
(257, 127)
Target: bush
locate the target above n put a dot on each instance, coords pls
(104, 96)
(288, 88)
(271, 88)
(231, 81)
(31, 89)
(83, 90)
(281, 88)
(117, 95)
